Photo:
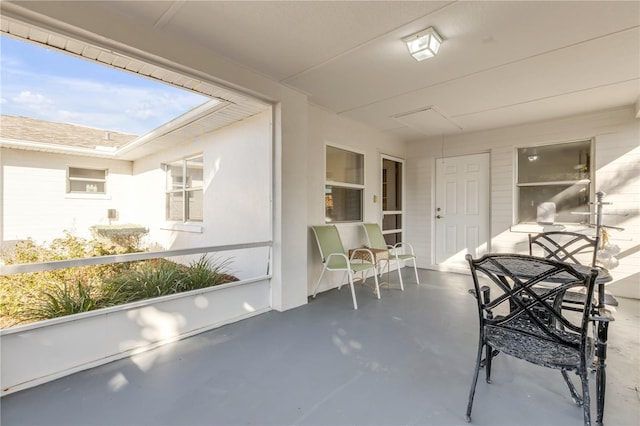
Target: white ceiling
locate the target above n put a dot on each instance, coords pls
(502, 63)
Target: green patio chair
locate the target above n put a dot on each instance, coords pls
(397, 252)
(335, 259)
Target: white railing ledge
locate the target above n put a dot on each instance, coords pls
(119, 258)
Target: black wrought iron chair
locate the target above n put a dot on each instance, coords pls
(510, 321)
(569, 247)
(565, 246)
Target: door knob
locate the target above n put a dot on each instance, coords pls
(439, 217)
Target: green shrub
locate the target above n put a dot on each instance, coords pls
(61, 300)
(37, 296)
(149, 279)
(206, 272)
(125, 237)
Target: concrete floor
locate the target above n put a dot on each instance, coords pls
(406, 359)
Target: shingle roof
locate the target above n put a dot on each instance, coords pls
(33, 130)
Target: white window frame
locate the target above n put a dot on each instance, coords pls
(184, 190)
(345, 185)
(91, 184)
(590, 181)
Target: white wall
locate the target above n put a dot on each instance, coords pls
(237, 193)
(329, 128)
(617, 158)
(35, 203)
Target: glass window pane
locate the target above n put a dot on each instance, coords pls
(75, 172)
(195, 172)
(567, 198)
(567, 161)
(88, 187)
(344, 166)
(393, 239)
(343, 204)
(174, 176)
(391, 185)
(391, 221)
(194, 207)
(174, 206)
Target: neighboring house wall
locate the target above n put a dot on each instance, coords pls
(617, 155)
(36, 205)
(237, 193)
(328, 128)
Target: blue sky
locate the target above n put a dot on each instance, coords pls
(42, 83)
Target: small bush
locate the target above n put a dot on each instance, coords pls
(37, 296)
(61, 300)
(206, 272)
(149, 279)
(126, 237)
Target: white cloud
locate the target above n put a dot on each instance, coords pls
(33, 100)
(127, 107)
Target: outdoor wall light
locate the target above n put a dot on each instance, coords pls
(424, 44)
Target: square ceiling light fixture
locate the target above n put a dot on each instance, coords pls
(424, 44)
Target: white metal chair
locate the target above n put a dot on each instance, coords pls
(397, 252)
(335, 259)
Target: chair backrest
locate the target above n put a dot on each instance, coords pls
(374, 235)
(565, 247)
(529, 294)
(329, 242)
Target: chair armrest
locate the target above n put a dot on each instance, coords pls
(602, 315)
(328, 259)
(400, 244)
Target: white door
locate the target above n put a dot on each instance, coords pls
(462, 208)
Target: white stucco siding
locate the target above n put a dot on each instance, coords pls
(35, 202)
(237, 192)
(616, 135)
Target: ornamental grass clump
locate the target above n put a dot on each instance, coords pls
(60, 300)
(149, 279)
(206, 272)
(29, 297)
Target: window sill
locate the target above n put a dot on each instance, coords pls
(87, 196)
(183, 227)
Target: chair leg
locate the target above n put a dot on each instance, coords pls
(601, 374)
(324, 268)
(353, 290)
(586, 400)
(399, 265)
(472, 391)
(600, 389)
(489, 358)
(574, 394)
(415, 269)
(375, 277)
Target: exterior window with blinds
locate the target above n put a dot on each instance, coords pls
(86, 181)
(184, 192)
(554, 182)
(344, 185)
